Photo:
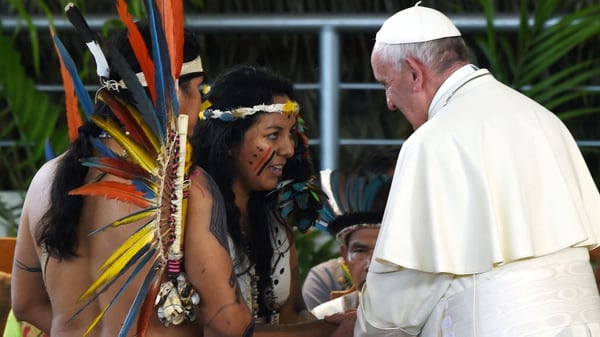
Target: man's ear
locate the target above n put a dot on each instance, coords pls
(344, 252)
(416, 71)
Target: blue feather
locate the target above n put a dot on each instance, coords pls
(102, 148)
(146, 255)
(359, 185)
(326, 213)
(302, 200)
(111, 282)
(160, 66)
(48, 150)
(135, 307)
(372, 189)
(143, 102)
(335, 180)
(303, 224)
(165, 60)
(287, 208)
(82, 94)
(321, 226)
(142, 186)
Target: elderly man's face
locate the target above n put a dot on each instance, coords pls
(357, 253)
(400, 90)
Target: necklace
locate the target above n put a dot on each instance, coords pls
(250, 280)
(346, 279)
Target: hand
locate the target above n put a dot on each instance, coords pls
(339, 293)
(345, 322)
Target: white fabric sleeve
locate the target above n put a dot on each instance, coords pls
(318, 285)
(396, 301)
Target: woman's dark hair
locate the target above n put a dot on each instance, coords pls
(58, 230)
(213, 142)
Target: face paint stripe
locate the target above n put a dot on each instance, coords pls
(264, 160)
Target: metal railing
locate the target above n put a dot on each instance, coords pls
(328, 27)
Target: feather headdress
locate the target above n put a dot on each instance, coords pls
(354, 201)
(154, 137)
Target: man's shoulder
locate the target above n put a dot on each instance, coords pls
(332, 263)
(330, 266)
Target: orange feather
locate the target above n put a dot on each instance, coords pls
(139, 47)
(171, 13)
(73, 116)
(119, 167)
(114, 190)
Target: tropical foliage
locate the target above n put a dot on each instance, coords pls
(537, 60)
(551, 59)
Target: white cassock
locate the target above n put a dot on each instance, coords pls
(487, 228)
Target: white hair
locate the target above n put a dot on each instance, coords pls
(438, 54)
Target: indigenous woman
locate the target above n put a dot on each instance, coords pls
(250, 141)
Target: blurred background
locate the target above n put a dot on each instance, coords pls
(548, 49)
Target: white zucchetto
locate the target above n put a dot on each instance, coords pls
(416, 24)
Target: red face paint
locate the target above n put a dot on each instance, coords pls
(264, 160)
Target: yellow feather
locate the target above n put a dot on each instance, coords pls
(138, 154)
(134, 217)
(151, 136)
(117, 261)
(130, 247)
(96, 320)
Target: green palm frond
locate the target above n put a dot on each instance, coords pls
(29, 119)
(535, 60)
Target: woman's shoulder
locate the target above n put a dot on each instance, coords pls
(201, 181)
(46, 173)
(199, 176)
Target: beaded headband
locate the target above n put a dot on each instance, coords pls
(289, 107)
(343, 234)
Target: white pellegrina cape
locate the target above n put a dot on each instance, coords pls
(491, 178)
(488, 222)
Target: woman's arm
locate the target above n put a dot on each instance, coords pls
(208, 265)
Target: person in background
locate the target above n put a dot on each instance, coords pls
(16, 328)
(334, 277)
(353, 216)
(250, 141)
(492, 210)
